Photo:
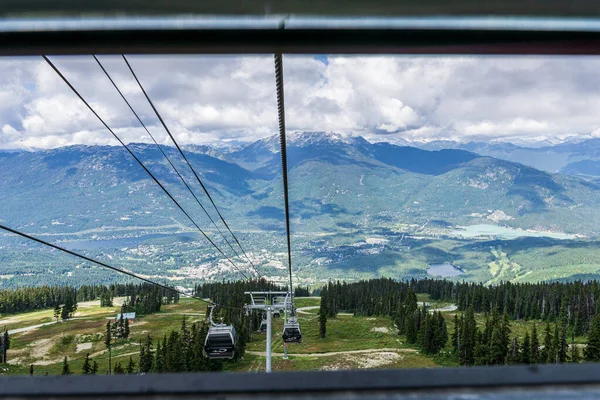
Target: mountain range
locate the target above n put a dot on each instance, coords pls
(343, 190)
(574, 158)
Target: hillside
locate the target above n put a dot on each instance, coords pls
(349, 339)
(358, 210)
(352, 342)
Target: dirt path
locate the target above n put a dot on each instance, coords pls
(302, 310)
(451, 307)
(32, 327)
(334, 353)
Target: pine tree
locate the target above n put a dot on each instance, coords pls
(130, 366)
(563, 346)
(119, 327)
(118, 370)
(468, 335)
(66, 370)
(86, 369)
(57, 312)
(592, 349)
(553, 354)
(426, 336)
(322, 320)
(73, 308)
(146, 356)
(481, 354)
(535, 346)
(405, 315)
(126, 329)
(441, 336)
(185, 333)
(108, 344)
(499, 340)
(578, 328)
(455, 338)
(547, 352)
(412, 327)
(31, 370)
(526, 350)
(514, 354)
(94, 369)
(5, 346)
(159, 359)
(66, 310)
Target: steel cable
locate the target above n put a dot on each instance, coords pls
(141, 164)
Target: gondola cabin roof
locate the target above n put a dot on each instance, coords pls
(222, 329)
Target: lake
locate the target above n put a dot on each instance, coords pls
(444, 270)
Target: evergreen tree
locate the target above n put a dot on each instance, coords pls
(481, 354)
(322, 320)
(441, 335)
(65, 310)
(563, 346)
(499, 340)
(592, 350)
(66, 370)
(106, 299)
(74, 306)
(185, 333)
(578, 328)
(119, 327)
(94, 369)
(159, 359)
(31, 370)
(553, 354)
(426, 334)
(412, 327)
(130, 366)
(86, 369)
(146, 356)
(108, 344)
(526, 350)
(468, 334)
(4, 346)
(535, 346)
(126, 329)
(514, 354)
(455, 338)
(118, 370)
(57, 312)
(142, 358)
(547, 352)
(406, 312)
(70, 306)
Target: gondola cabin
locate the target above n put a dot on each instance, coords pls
(220, 342)
(291, 332)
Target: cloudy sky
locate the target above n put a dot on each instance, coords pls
(219, 100)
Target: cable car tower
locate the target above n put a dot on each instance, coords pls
(273, 304)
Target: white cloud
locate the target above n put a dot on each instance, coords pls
(211, 99)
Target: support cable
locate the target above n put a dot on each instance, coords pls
(187, 162)
(281, 115)
(140, 163)
(164, 154)
(102, 264)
